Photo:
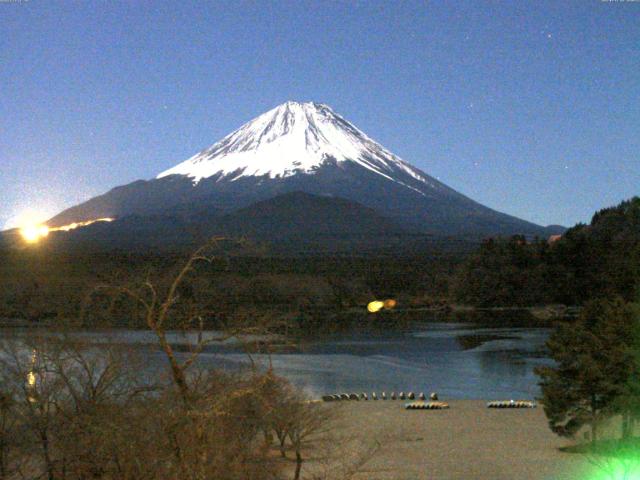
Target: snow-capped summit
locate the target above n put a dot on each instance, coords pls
(292, 138)
(301, 147)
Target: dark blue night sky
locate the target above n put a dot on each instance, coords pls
(532, 108)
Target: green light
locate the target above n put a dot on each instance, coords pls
(620, 474)
(616, 467)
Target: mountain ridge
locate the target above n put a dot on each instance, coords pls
(304, 147)
(294, 222)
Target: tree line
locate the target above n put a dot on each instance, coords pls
(595, 379)
(601, 259)
(72, 409)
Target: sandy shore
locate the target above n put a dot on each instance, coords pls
(468, 441)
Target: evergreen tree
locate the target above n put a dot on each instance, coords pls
(601, 259)
(594, 365)
(628, 402)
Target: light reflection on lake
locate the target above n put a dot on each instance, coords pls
(427, 359)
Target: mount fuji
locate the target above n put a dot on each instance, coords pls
(302, 147)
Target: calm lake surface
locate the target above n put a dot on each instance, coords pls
(455, 360)
(450, 359)
(459, 361)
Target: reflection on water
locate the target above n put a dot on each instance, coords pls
(429, 359)
(31, 376)
(497, 364)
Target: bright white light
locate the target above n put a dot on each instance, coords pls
(34, 233)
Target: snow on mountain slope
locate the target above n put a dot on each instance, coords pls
(301, 147)
(295, 138)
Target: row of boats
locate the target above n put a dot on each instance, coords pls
(494, 404)
(426, 406)
(374, 396)
(422, 404)
(511, 404)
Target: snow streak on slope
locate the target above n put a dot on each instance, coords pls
(294, 138)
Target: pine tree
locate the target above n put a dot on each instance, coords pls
(594, 364)
(628, 402)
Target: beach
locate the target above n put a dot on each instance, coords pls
(467, 441)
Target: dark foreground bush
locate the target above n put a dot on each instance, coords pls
(69, 410)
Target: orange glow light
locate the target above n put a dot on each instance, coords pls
(375, 306)
(378, 305)
(389, 304)
(73, 226)
(34, 233)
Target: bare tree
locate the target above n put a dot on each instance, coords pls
(308, 422)
(192, 430)
(61, 391)
(9, 446)
(38, 394)
(92, 413)
(160, 316)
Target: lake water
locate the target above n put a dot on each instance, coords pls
(458, 361)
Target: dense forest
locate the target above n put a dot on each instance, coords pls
(588, 261)
(40, 285)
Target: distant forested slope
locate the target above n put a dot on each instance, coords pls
(588, 261)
